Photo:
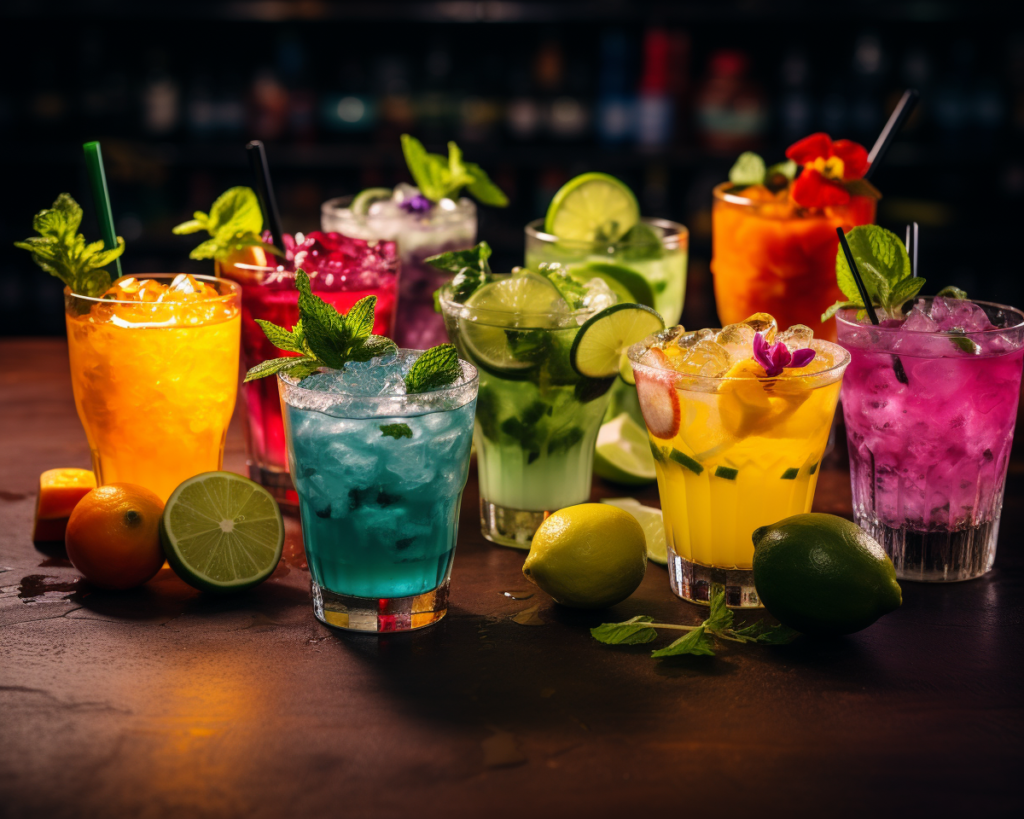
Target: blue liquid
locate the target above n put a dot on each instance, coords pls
(379, 514)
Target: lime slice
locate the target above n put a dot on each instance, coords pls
(651, 521)
(626, 369)
(501, 349)
(362, 201)
(599, 345)
(222, 532)
(625, 282)
(642, 243)
(623, 453)
(592, 207)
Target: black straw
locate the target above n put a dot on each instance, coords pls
(265, 191)
(869, 308)
(898, 116)
(911, 244)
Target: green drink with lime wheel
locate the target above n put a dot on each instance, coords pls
(593, 228)
(548, 349)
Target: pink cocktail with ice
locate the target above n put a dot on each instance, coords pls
(341, 270)
(929, 453)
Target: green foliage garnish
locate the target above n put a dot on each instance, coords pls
(698, 639)
(233, 222)
(439, 178)
(437, 367)
(470, 268)
(322, 337)
(571, 290)
(750, 169)
(61, 251)
(884, 266)
(396, 431)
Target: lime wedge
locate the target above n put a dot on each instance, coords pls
(651, 521)
(625, 282)
(599, 345)
(362, 200)
(592, 207)
(623, 453)
(222, 532)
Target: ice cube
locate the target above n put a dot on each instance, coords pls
(598, 296)
(918, 321)
(764, 324)
(403, 191)
(687, 340)
(705, 358)
(968, 317)
(738, 341)
(797, 337)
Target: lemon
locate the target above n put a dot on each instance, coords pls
(589, 556)
(652, 522)
(823, 574)
(623, 453)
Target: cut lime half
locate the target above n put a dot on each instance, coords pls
(361, 201)
(592, 207)
(623, 453)
(651, 521)
(625, 282)
(222, 532)
(599, 345)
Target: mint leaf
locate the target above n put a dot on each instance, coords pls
(324, 327)
(695, 642)
(630, 632)
(396, 431)
(841, 305)
(271, 367)
(758, 632)
(359, 319)
(903, 292)
(965, 344)
(951, 293)
(458, 175)
(749, 169)
(440, 178)
(372, 347)
(483, 189)
(428, 170)
(720, 617)
(785, 169)
(234, 222)
(881, 259)
(191, 226)
(437, 367)
(470, 267)
(280, 337)
(571, 290)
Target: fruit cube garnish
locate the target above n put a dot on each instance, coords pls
(60, 490)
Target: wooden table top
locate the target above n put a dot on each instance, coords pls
(163, 702)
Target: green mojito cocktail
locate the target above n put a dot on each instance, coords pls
(593, 228)
(541, 399)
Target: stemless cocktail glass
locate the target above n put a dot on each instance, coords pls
(155, 381)
(379, 476)
(447, 225)
(747, 453)
(929, 453)
(770, 256)
(349, 270)
(658, 254)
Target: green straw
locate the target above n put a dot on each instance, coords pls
(101, 197)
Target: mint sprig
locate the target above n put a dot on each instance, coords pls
(234, 222)
(698, 639)
(568, 288)
(470, 270)
(440, 178)
(436, 368)
(61, 251)
(884, 265)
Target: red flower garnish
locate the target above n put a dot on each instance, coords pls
(774, 358)
(826, 166)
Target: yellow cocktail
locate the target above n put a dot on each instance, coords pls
(737, 444)
(154, 368)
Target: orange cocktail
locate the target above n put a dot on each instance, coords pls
(154, 368)
(770, 255)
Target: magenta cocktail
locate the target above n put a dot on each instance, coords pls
(928, 455)
(341, 271)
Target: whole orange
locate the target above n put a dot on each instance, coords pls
(113, 536)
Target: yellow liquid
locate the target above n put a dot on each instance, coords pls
(155, 387)
(766, 448)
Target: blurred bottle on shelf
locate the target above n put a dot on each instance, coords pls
(869, 67)
(730, 109)
(161, 99)
(268, 106)
(479, 112)
(795, 115)
(569, 109)
(352, 110)
(436, 104)
(524, 119)
(292, 66)
(616, 101)
(396, 113)
(200, 108)
(655, 109)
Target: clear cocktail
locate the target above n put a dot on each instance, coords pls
(154, 368)
(379, 475)
(342, 271)
(929, 453)
(738, 427)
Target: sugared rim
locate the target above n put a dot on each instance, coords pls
(841, 318)
(637, 351)
(340, 205)
(235, 288)
(501, 318)
(675, 233)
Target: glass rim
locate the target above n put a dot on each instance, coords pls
(469, 371)
(534, 230)
(338, 205)
(501, 318)
(841, 318)
(637, 350)
(235, 288)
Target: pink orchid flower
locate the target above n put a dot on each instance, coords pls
(774, 358)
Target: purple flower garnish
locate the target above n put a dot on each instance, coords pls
(777, 357)
(417, 203)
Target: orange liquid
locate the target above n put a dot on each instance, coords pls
(770, 257)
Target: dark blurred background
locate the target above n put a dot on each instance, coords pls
(661, 94)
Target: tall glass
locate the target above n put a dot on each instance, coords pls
(929, 453)
(447, 226)
(155, 382)
(537, 419)
(269, 293)
(380, 482)
(746, 454)
(769, 256)
(658, 253)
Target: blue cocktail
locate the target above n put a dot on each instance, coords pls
(379, 475)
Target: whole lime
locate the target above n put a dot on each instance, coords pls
(823, 575)
(589, 556)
